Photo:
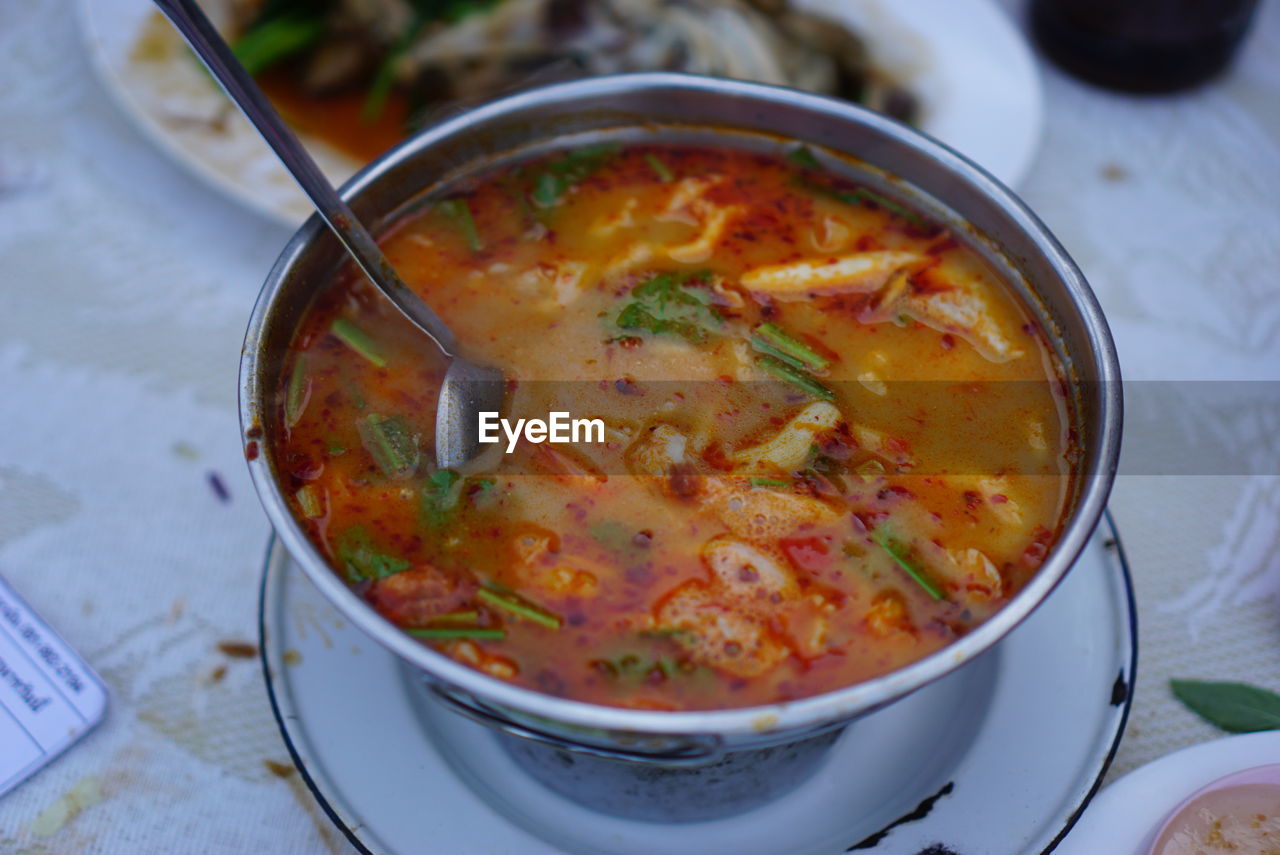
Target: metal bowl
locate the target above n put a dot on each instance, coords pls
(896, 161)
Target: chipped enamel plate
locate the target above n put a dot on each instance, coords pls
(998, 758)
(974, 74)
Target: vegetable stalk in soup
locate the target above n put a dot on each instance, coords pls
(824, 438)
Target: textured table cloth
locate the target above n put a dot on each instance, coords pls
(128, 521)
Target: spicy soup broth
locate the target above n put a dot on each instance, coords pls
(833, 440)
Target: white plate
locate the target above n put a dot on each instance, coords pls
(978, 85)
(998, 758)
(1126, 815)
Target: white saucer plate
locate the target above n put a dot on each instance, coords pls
(998, 758)
(978, 85)
(1124, 818)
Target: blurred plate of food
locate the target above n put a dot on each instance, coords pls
(357, 76)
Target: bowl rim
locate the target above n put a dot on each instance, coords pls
(816, 710)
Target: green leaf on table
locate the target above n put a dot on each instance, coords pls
(1233, 707)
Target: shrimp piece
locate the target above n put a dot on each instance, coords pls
(788, 449)
(735, 640)
(860, 272)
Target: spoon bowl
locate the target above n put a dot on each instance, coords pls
(468, 388)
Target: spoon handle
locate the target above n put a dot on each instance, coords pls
(190, 20)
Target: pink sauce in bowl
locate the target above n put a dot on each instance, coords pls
(1238, 814)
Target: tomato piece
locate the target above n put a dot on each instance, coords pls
(808, 553)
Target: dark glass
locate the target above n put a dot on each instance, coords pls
(1142, 45)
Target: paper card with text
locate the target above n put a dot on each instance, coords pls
(49, 698)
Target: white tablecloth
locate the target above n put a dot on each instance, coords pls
(126, 288)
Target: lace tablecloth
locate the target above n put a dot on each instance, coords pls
(127, 519)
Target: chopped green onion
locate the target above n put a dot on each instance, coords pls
(860, 195)
(516, 607)
(295, 399)
(769, 482)
(870, 469)
(547, 190)
(443, 633)
(358, 340)
(271, 41)
(460, 212)
(668, 667)
(456, 617)
(759, 345)
(895, 552)
(659, 168)
(775, 336)
(308, 497)
(802, 156)
(385, 79)
(392, 444)
(863, 194)
(795, 377)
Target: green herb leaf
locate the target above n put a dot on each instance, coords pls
(795, 377)
(896, 552)
(659, 168)
(444, 633)
(792, 347)
(862, 196)
(275, 39)
(392, 444)
(560, 175)
(295, 399)
(459, 212)
(439, 496)
(362, 560)
(671, 303)
(1233, 707)
(510, 603)
(359, 341)
(803, 157)
(770, 482)
(385, 79)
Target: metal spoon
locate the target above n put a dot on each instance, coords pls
(468, 388)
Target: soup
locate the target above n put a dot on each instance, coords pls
(818, 437)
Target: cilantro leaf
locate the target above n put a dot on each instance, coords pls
(672, 303)
(362, 561)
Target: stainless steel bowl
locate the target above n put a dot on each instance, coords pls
(899, 162)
